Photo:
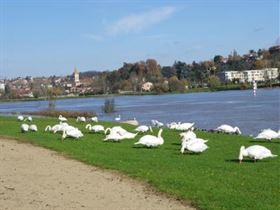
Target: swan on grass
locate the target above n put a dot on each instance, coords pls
(95, 128)
(228, 129)
(24, 128)
(81, 119)
(184, 126)
(94, 119)
(56, 128)
(268, 134)
(157, 124)
(188, 135)
(144, 128)
(151, 141)
(116, 129)
(62, 119)
(20, 118)
(114, 136)
(196, 145)
(256, 152)
(73, 133)
(33, 127)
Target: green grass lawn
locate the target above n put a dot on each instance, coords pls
(212, 180)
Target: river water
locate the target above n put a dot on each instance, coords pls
(208, 110)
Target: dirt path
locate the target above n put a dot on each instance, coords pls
(36, 178)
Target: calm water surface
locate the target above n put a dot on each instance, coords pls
(208, 110)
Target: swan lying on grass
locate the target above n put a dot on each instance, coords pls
(195, 145)
(95, 128)
(131, 122)
(228, 129)
(143, 128)
(73, 133)
(188, 135)
(256, 152)
(116, 129)
(33, 127)
(268, 134)
(151, 141)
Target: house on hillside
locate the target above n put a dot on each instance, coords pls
(147, 86)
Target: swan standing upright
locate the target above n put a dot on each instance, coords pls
(151, 141)
(255, 152)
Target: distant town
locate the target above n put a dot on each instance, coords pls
(261, 66)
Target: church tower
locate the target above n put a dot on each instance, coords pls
(76, 76)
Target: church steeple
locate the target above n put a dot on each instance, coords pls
(76, 75)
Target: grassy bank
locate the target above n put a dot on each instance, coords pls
(212, 180)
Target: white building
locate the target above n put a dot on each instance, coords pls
(147, 86)
(251, 75)
(76, 76)
(2, 87)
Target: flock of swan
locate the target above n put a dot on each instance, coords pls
(189, 141)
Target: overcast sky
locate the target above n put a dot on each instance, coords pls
(52, 37)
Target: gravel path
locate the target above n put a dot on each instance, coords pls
(36, 178)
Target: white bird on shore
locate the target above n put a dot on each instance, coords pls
(94, 119)
(114, 136)
(33, 127)
(116, 129)
(62, 119)
(132, 122)
(256, 152)
(24, 128)
(95, 128)
(151, 141)
(144, 128)
(188, 135)
(29, 118)
(118, 118)
(194, 145)
(268, 134)
(20, 118)
(184, 126)
(73, 133)
(56, 128)
(157, 124)
(228, 129)
(81, 119)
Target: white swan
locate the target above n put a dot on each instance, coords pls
(116, 129)
(24, 128)
(194, 145)
(57, 127)
(114, 136)
(132, 122)
(95, 128)
(144, 128)
(29, 118)
(94, 119)
(62, 119)
(20, 118)
(118, 118)
(184, 126)
(151, 141)
(73, 133)
(33, 127)
(268, 134)
(129, 135)
(255, 152)
(188, 135)
(81, 119)
(228, 129)
(157, 124)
